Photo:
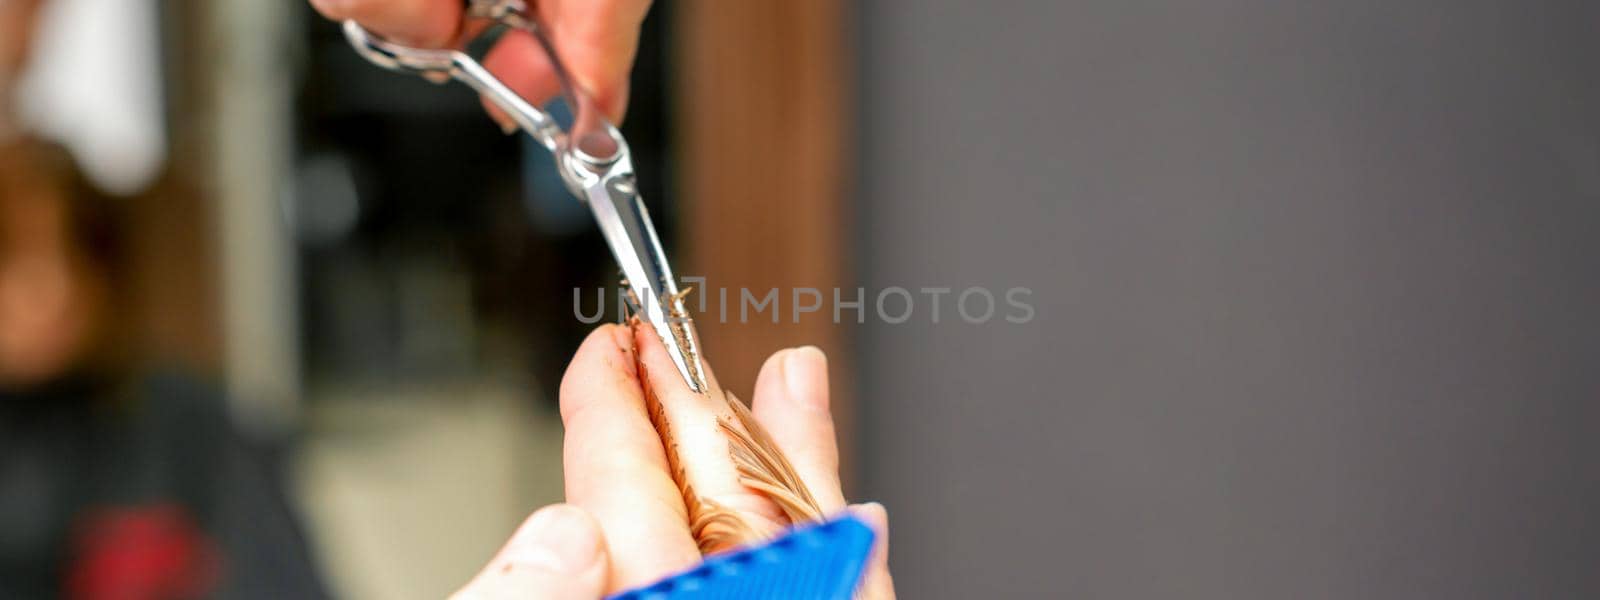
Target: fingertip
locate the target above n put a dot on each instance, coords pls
(336, 10)
(604, 359)
(502, 120)
(615, 104)
(609, 342)
(619, 107)
(805, 375)
(559, 538)
(423, 23)
(621, 336)
(560, 551)
(875, 516)
(770, 378)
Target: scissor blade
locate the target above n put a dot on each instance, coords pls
(628, 231)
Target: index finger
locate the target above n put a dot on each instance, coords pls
(615, 466)
(598, 40)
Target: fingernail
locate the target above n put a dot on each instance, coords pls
(559, 538)
(880, 515)
(805, 373)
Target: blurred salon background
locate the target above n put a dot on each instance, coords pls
(1313, 284)
(275, 322)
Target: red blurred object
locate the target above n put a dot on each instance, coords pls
(141, 553)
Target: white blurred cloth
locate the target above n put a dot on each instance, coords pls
(93, 84)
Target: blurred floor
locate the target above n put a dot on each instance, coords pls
(409, 489)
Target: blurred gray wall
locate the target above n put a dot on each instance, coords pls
(1317, 290)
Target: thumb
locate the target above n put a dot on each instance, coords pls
(558, 553)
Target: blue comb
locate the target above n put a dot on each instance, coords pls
(822, 561)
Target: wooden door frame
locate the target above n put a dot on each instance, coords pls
(762, 117)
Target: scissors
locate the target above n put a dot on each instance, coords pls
(591, 155)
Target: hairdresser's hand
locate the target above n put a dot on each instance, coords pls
(625, 525)
(596, 38)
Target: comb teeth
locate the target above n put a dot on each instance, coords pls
(822, 561)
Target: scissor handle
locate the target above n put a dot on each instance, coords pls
(592, 158)
(593, 139)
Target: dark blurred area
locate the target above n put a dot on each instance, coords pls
(120, 476)
(421, 232)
